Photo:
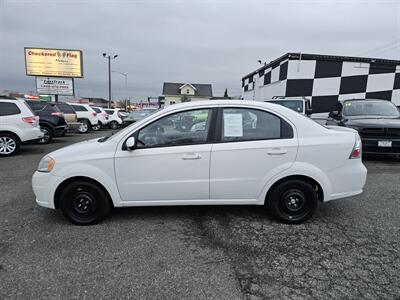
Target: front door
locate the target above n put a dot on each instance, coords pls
(171, 160)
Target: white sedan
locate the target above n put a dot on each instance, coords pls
(206, 153)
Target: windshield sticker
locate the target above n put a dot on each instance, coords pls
(233, 125)
(348, 103)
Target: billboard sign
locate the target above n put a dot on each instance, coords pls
(53, 62)
(55, 86)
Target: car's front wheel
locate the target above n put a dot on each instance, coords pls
(84, 203)
(293, 201)
(84, 126)
(47, 134)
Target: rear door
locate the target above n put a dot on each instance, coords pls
(253, 145)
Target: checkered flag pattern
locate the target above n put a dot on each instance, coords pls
(325, 80)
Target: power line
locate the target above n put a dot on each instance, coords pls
(391, 44)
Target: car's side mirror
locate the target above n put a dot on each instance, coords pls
(130, 143)
(334, 114)
(308, 111)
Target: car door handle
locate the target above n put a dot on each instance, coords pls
(190, 156)
(276, 151)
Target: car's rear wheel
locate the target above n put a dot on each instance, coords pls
(47, 134)
(96, 127)
(9, 144)
(293, 201)
(114, 125)
(84, 203)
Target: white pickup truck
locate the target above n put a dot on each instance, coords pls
(301, 105)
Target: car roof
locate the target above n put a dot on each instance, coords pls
(366, 100)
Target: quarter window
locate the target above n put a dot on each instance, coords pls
(79, 108)
(241, 124)
(183, 128)
(8, 109)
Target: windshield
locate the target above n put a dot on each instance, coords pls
(140, 114)
(370, 108)
(296, 105)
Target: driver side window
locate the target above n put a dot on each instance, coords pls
(183, 128)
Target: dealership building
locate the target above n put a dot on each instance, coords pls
(324, 79)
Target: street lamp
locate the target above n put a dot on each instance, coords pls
(109, 57)
(126, 85)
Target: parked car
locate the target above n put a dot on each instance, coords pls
(69, 115)
(52, 122)
(102, 115)
(138, 115)
(377, 122)
(114, 117)
(284, 161)
(87, 116)
(18, 124)
(301, 105)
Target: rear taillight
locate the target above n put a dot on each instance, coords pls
(356, 152)
(31, 120)
(94, 114)
(57, 113)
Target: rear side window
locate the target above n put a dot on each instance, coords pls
(8, 109)
(96, 109)
(65, 108)
(79, 108)
(242, 124)
(36, 105)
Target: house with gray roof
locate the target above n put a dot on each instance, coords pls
(174, 92)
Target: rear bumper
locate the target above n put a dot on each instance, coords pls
(30, 135)
(60, 130)
(370, 146)
(348, 180)
(72, 126)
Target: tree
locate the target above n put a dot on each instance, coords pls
(226, 93)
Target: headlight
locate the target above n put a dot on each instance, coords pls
(46, 164)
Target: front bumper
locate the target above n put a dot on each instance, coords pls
(370, 146)
(44, 186)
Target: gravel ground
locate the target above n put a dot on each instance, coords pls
(349, 250)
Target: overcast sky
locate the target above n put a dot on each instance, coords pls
(213, 42)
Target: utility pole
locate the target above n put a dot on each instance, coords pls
(109, 57)
(126, 86)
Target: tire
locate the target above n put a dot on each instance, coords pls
(84, 127)
(293, 201)
(96, 127)
(48, 134)
(114, 125)
(84, 203)
(9, 144)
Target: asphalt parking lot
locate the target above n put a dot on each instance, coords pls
(350, 249)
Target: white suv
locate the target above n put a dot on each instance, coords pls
(18, 124)
(87, 116)
(102, 115)
(114, 117)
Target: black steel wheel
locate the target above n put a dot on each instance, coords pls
(84, 203)
(47, 134)
(114, 125)
(293, 201)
